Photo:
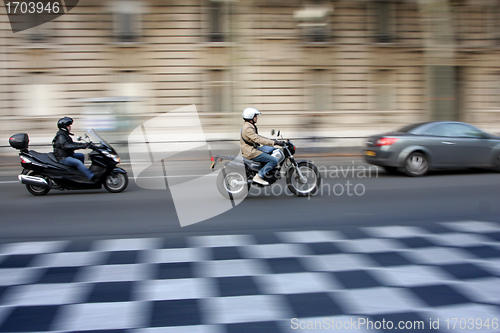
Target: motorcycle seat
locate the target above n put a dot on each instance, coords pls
(253, 165)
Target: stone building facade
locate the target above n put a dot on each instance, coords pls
(313, 67)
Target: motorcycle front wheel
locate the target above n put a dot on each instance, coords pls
(232, 184)
(307, 186)
(116, 182)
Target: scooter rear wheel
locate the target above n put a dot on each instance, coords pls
(37, 190)
(116, 182)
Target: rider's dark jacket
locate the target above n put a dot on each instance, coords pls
(64, 146)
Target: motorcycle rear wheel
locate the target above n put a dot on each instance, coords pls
(116, 182)
(232, 184)
(313, 179)
(37, 190)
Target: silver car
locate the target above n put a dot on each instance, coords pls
(418, 148)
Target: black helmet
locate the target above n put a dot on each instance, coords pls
(64, 122)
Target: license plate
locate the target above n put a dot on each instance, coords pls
(370, 153)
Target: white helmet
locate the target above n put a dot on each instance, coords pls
(249, 113)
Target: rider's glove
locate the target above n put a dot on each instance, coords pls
(279, 143)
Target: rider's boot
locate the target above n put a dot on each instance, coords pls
(257, 179)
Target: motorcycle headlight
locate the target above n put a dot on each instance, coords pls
(114, 157)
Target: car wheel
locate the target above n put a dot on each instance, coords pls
(416, 164)
(496, 164)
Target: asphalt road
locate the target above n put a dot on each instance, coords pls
(119, 261)
(347, 198)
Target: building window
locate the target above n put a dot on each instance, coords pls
(384, 16)
(127, 25)
(385, 90)
(443, 87)
(215, 33)
(313, 21)
(218, 17)
(219, 91)
(320, 90)
(476, 24)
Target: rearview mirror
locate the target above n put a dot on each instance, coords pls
(272, 131)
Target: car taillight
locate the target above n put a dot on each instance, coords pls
(385, 141)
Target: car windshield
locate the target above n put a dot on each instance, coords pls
(409, 128)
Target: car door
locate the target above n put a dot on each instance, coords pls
(437, 142)
(469, 146)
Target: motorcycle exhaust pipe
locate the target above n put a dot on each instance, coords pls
(30, 180)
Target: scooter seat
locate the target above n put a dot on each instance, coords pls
(49, 158)
(53, 157)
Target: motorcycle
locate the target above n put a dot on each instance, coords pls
(302, 177)
(42, 172)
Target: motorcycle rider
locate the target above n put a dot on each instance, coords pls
(64, 148)
(251, 140)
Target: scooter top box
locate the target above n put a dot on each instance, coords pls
(19, 141)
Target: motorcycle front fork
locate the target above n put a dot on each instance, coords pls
(296, 167)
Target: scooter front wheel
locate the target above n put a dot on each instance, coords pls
(116, 182)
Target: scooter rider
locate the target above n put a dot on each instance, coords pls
(251, 140)
(64, 148)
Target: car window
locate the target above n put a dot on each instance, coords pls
(409, 128)
(463, 131)
(437, 130)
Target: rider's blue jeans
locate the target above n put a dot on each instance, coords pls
(77, 162)
(270, 161)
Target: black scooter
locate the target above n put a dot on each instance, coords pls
(42, 172)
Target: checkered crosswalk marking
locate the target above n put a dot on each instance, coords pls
(261, 282)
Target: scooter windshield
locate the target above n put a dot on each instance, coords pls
(101, 140)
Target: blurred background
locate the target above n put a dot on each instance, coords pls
(320, 70)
